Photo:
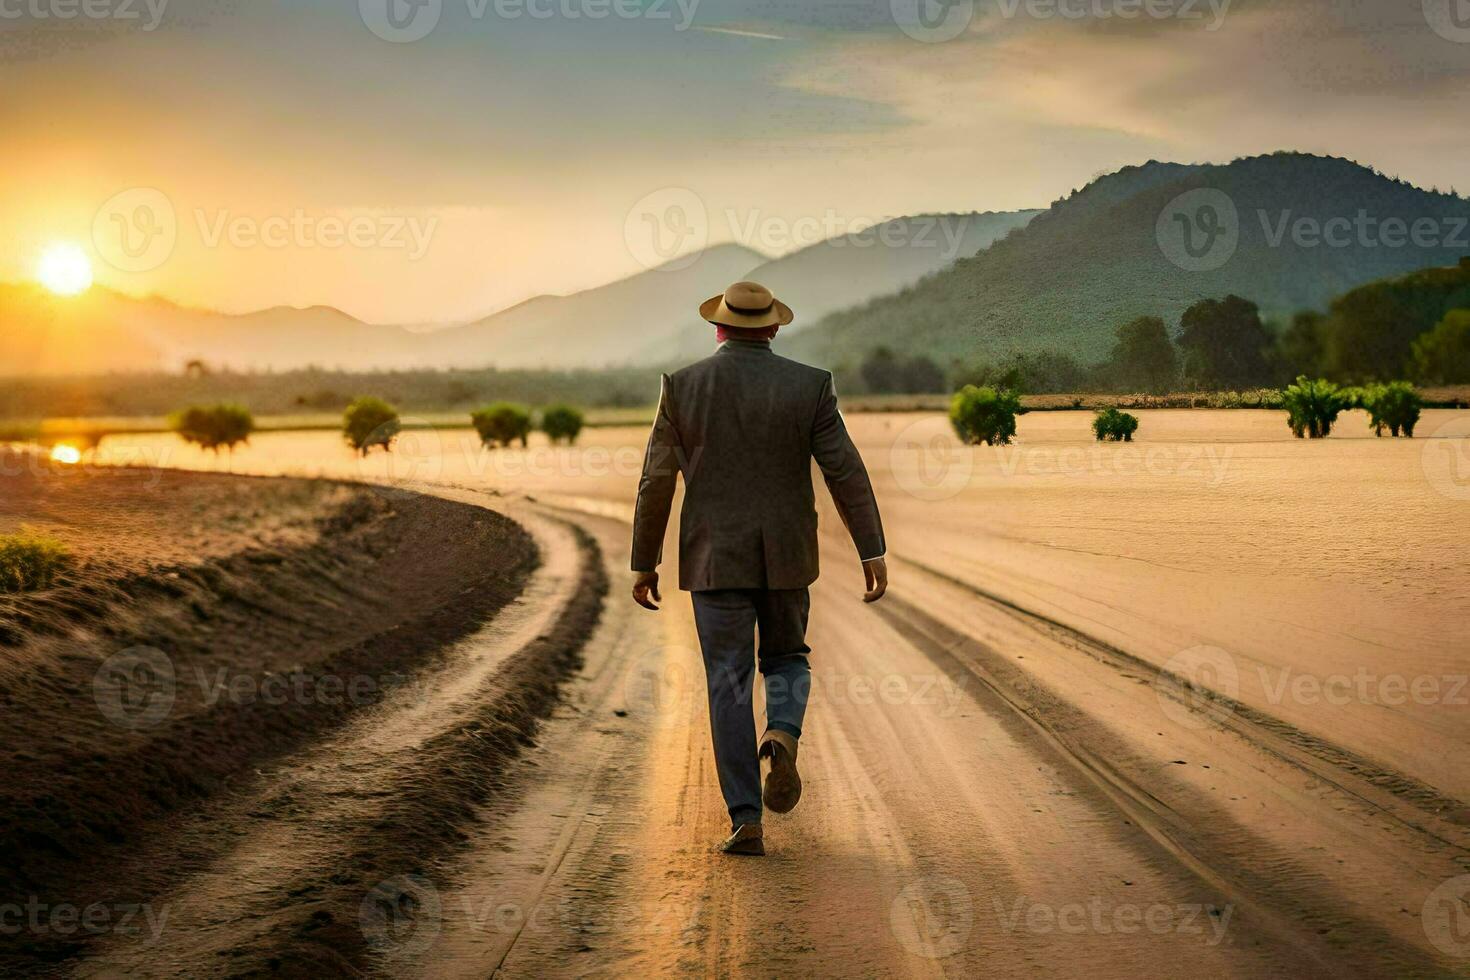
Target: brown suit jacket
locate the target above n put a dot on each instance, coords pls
(743, 426)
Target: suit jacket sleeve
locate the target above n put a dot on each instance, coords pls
(847, 478)
(656, 487)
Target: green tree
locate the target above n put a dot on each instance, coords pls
(1394, 406)
(370, 422)
(885, 373)
(1372, 330)
(1143, 357)
(921, 375)
(881, 371)
(1042, 372)
(562, 422)
(1224, 344)
(984, 415)
(214, 427)
(502, 423)
(1312, 407)
(1442, 356)
(1301, 347)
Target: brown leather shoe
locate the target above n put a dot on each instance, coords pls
(746, 841)
(783, 782)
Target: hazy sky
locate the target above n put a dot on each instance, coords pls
(246, 153)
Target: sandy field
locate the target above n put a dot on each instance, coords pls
(1191, 705)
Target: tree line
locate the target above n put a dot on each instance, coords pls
(1416, 326)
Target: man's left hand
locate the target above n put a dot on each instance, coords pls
(644, 585)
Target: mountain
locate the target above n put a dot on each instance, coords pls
(850, 269)
(638, 320)
(104, 331)
(1096, 259)
(646, 319)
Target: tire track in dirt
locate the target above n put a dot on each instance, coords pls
(1350, 771)
(1280, 894)
(923, 834)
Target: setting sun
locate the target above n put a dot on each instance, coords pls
(65, 269)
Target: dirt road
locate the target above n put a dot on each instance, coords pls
(991, 789)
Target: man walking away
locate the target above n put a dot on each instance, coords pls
(743, 426)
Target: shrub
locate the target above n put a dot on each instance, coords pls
(1115, 425)
(562, 422)
(1394, 406)
(29, 561)
(214, 427)
(502, 423)
(1313, 406)
(984, 415)
(370, 422)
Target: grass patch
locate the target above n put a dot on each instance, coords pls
(30, 561)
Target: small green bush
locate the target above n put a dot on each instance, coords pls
(1115, 425)
(1394, 406)
(501, 424)
(370, 422)
(985, 415)
(29, 561)
(1312, 407)
(562, 422)
(214, 427)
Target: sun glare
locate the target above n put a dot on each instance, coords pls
(62, 453)
(65, 269)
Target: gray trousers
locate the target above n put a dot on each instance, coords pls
(727, 620)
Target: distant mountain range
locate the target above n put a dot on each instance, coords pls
(102, 331)
(648, 318)
(1288, 231)
(637, 320)
(1146, 240)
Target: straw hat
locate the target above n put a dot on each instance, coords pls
(746, 304)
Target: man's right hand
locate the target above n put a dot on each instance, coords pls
(645, 584)
(875, 574)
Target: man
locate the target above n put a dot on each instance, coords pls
(743, 427)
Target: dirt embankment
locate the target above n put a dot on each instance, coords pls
(204, 626)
